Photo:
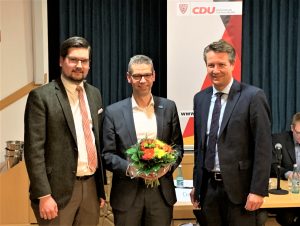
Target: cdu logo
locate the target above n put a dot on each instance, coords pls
(204, 10)
(183, 7)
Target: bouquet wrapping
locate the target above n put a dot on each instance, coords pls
(151, 158)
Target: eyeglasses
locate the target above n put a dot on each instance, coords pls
(296, 132)
(138, 77)
(75, 61)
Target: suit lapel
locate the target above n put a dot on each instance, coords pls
(159, 113)
(291, 147)
(128, 119)
(65, 105)
(204, 114)
(233, 97)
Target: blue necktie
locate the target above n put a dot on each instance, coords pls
(213, 134)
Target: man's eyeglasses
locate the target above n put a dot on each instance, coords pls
(75, 61)
(296, 132)
(138, 77)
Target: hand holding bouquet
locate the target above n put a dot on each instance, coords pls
(151, 159)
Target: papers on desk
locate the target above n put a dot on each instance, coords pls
(186, 183)
(183, 193)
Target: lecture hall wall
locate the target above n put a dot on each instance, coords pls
(20, 38)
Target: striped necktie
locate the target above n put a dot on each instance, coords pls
(213, 134)
(90, 146)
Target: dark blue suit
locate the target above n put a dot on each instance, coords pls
(119, 135)
(244, 144)
(285, 216)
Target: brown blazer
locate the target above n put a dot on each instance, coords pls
(50, 146)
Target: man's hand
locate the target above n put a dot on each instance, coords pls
(254, 202)
(157, 175)
(133, 172)
(48, 208)
(102, 202)
(290, 175)
(195, 203)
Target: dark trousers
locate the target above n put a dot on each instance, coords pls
(82, 209)
(149, 209)
(218, 210)
(288, 216)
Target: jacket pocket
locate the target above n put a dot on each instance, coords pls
(48, 170)
(244, 165)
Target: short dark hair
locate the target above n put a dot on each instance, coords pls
(139, 59)
(220, 46)
(296, 118)
(74, 42)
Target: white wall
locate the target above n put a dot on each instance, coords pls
(18, 21)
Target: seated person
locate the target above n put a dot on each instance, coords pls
(290, 155)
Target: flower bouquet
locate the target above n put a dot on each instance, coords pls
(152, 158)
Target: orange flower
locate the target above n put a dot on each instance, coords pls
(151, 157)
(148, 154)
(167, 148)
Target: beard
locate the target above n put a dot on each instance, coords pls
(76, 76)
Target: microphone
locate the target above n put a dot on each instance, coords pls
(278, 190)
(278, 148)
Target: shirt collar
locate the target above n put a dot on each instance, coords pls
(135, 105)
(225, 90)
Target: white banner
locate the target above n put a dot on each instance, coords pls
(192, 25)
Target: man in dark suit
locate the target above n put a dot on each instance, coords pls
(232, 144)
(290, 155)
(127, 122)
(62, 153)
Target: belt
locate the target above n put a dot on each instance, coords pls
(84, 177)
(216, 176)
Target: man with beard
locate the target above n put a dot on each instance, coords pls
(62, 149)
(233, 146)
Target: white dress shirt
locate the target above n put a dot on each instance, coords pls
(224, 98)
(82, 167)
(144, 120)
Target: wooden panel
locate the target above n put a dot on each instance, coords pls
(187, 166)
(184, 210)
(14, 196)
(17, 95)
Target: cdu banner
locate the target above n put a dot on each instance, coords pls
(192, 25)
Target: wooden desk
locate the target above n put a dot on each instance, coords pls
(184, 210)
(183, 213)
(282, 201)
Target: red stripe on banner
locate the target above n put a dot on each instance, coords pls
(206, 83)
(233, 35)
(189, 129)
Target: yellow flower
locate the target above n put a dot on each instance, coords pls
(160, 143)
(159, 152)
